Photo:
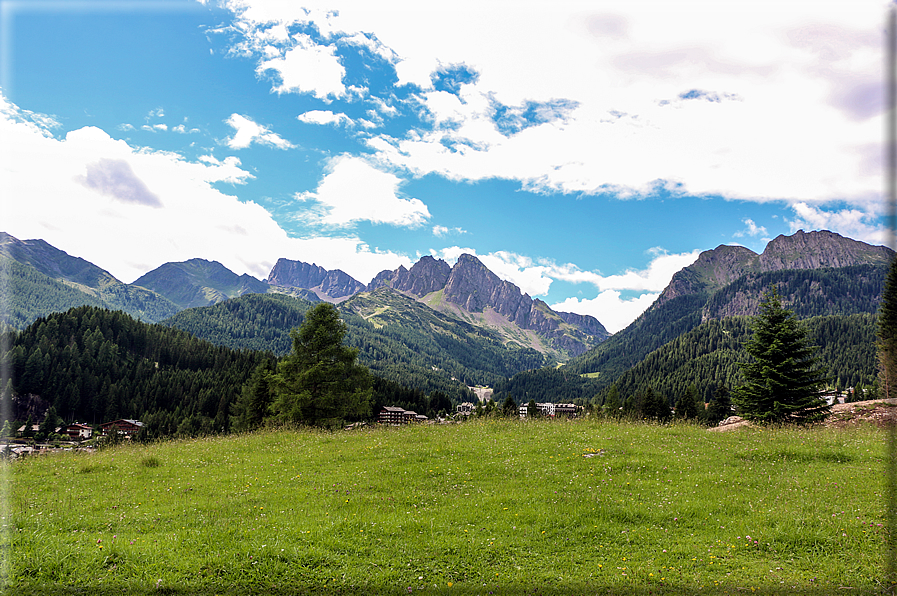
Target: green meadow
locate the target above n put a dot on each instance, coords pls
(485, 507)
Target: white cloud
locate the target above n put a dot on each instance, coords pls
(854, 223)
(442, 231)
(182, 129)
(760, 105)
(353, 190)
(752, 229)
(324, 117)
(154, 127)
(307, 68)
(248, 132)
(129, 210)
(614, 312)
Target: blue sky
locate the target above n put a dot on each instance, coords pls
(585, 151)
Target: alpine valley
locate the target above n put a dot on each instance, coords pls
(431, 330)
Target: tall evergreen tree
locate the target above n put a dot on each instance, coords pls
(532, 410)
(887, 334)
(687, 406)
(320, 383)
(251, 407)
(655, 406)
(782, 379)
(720, 406)
(509, 407)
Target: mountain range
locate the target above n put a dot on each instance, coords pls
(429, 328)
(468, 292)
(693, 331)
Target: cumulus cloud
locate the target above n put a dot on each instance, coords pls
(248, 132)
(854, 223)
(116, 179)
(353, 190)
(751, 230)
(307, 68)
(324, 117)
(757, 105)
(443, 231)
(62, 190)
(613, 311)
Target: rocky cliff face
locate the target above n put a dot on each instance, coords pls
(724, 264)
(471, 286)
(812, 250)
(296, 274)
(425, 276)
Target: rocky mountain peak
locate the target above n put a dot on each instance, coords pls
(333, 284)
(425, 276)
(811, 250)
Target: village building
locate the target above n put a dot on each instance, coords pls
(122, 426)
(77, 431)
(549, 410)
(393, 415)
(465, 409)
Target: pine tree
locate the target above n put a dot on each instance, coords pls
(320, 383)
(687, 406)
(251, 407)
(509, 407)
(887, 334)
(612, 403)
(532, 410)
(782, 378)
(720, 406)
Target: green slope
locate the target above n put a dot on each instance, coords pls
(398, 338)
(28, 294)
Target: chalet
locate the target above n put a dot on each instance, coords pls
(122, 426)
(21, 430)
(77, 431)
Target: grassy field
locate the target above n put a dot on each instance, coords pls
(503, 507)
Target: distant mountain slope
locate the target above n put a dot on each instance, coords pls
(829, 275)
(706, 356)
(199, 282)
(43, 279)
(28, 294)
(398, 338)
(332, 286)
(471, 292)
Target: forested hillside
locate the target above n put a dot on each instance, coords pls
(398, 338)
(809, 292)
(94, 365)
(707, 356)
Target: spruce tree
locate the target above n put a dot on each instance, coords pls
(782, 379)
(532, 410)
(320, 383)
(720, 407)
(509, 407)
(687, 406)
(887, 334)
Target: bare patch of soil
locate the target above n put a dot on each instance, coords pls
(880, 412)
